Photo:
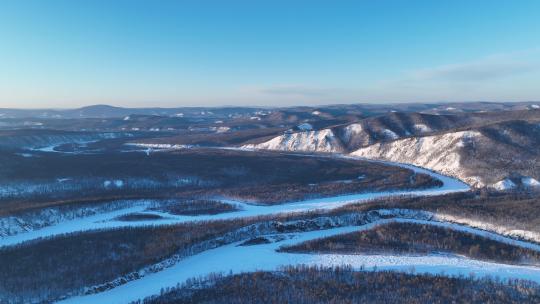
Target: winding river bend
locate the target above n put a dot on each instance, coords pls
(234, 258)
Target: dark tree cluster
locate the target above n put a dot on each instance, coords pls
(197, 207)
(139, 217)
(306, 285)
(270, 194)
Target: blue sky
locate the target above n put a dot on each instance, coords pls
(188, 53)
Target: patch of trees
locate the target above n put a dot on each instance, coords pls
(139, 217)
(270, 194)
(196, 207)
(256, 241)
(302, 284)
(412, 238)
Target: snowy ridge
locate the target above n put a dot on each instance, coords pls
(310, 141)
(438, 152)
(367, 131)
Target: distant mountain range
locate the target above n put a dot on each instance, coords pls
(107, 111)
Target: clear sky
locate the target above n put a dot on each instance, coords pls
(226, 52)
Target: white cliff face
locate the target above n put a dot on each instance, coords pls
(311, 141)
(438, 152)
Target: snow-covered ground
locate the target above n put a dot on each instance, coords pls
(264, 257)
(236, 259)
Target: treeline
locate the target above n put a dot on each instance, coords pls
(134, 217)
(412, 238)
(306, 285)
(271, 194)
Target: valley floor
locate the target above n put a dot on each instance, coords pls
(265, 256)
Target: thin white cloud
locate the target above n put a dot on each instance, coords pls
(497, 77)
(513, 76)
(481, 70)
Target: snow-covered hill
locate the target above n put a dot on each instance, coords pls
(310, 141)
(349, 137)
(485, 150)
(441, 153)
(501, 156)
